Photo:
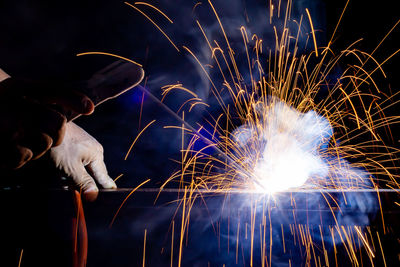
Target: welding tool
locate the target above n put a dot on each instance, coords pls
(74, 157)
(110, 82)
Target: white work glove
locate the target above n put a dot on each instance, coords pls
(78, 154)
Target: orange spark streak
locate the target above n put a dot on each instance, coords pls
(141, 110)
(155, 24)
(172, 242)
(109, 54)
(155, 8)
(365, 242)
(380, 245)
(123, 202)
(119, 176)
(137, 137)
(20, 258)
(168, 88)
(182, 228)
(313, 32)
(337, 25)
(144, 247)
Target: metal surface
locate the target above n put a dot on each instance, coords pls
(40, 222)
(237, 191)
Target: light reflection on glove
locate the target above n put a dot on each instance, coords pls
(78, 155)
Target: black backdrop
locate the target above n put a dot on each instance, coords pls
(39, 39)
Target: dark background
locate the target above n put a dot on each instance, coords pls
(39, 40)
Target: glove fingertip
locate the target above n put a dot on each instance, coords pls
(91, 194)
(110, 184)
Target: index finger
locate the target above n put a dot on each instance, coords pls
(71, 101)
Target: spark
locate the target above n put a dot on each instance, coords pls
(109, 54)
(155, 24)
(123, 202)
(274, 134)
(313, 32)
(144, 248)
(155, 8)
(137, 137)
(281, 100)
(172, 242)
(20, 258)
(182, 228)
(380, 245)
(168, 88)
(119, 176)
(365, 242)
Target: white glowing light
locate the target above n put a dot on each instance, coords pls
(288, 145)
(285, 164)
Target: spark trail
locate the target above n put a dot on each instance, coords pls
(298, 129)
(287, 127)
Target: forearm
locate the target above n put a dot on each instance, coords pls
(3, 75)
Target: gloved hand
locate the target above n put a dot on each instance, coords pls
(78, 155)
(32, 118)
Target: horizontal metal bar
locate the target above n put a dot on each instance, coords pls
(235, 191)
